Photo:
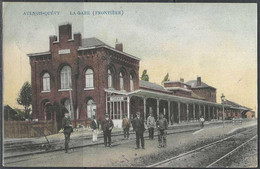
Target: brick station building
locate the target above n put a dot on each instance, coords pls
(85, 74)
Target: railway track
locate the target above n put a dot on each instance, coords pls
(210, 155)
(230, 153)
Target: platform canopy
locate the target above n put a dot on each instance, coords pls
(142, 93)
(162, 96)
(170, 97)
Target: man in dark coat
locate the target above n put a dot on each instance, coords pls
(67, 130)
(107, 126)
(138, 125)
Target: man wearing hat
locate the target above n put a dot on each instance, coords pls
(162, 125)
(67, 129)
(138, 125)
(107, 126)
(94, 126)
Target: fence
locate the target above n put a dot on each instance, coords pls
(85, 123)
(25, 129)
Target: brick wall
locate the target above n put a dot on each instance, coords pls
(208, 93)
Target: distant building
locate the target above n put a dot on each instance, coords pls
(86, 74)
(9, 113)
(250, 114)
(203, 90)
(235, 110)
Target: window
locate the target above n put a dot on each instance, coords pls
(46, 82)
(65, 77)
(91, 106)
(131, 83)
(89, 78)
(121, 81)
(110, 83)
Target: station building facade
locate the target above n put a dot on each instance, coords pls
(86, 77)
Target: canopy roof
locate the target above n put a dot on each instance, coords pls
(143, 93)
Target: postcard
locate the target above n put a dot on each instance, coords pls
(129, 85)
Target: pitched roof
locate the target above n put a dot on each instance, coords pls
(92, 42)
(149, 85)
(95, 43)
(236, 104)
(232, 103)
(193, 84)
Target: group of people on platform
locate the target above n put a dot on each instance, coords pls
(138, 124)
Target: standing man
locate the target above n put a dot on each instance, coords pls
(67, 130)
(162, 125)
(126, 126)
(202, 121)
(138, 125)
(95, 126)
(151, 125)
(107, 126)
(132, 120)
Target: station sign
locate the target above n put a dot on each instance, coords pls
(64, 51)
(117, 98)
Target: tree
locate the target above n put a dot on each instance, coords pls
(166, 78)
(20, 114)
(25, 97)
(145, 76)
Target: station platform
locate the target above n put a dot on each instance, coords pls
(83, 138)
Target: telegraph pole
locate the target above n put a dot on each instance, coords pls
(223, 101)
(71, 103)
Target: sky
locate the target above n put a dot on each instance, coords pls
(215, 41)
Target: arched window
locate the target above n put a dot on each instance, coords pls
(91, 106)
(65, 77)
(67, 105)
(109, 79)
(46, 82)
(121, 81)
(89, 78)
(131, 83)
(44, 109)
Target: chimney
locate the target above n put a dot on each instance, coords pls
(119, 46)
(77, 39)
(182, 80)
(65, 32)
(198, 81)
(52, 39)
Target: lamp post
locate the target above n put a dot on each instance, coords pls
(223, 99)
